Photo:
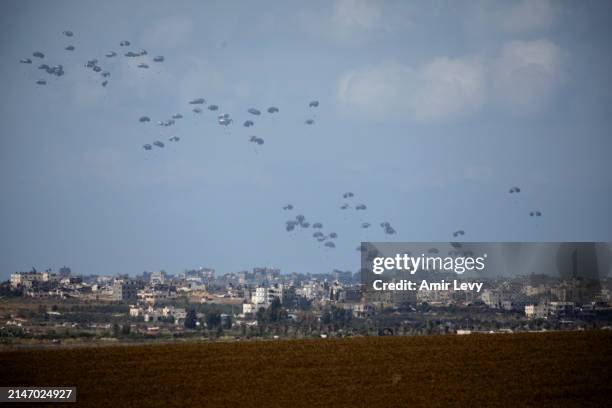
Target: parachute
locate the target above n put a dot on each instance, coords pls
(41, 82)
(69, 48)
(25, 61)
(387, 228)
(159, 58)
(213, 107)
(288, 207)
(309, 122)
(158, 143)
(514, 190)
(111, 54)
(38, 54)
(458, 233)
(272, 109)
(317, 225)
(248, 123)
(255, 139)
(224, 119)
(166, 123)
(365, 225)
(361, 207)
(174, 139)
(333, 235)
(124, 43)
(254, 111)
(313, 104)
(197, 101)
(330, 244)
(177, 116)
(56, 70)
(143, 65)
(147, 146)
(68, 33)
(535, 214)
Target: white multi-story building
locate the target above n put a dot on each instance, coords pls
(158, 277)
(310, 290)
(536, 311)
(151, 296)
(491, 299)
(125, 289)
(155, 314)
(25, 279)
(249, 308)
(264, 295)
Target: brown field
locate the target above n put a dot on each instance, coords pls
(552, 369)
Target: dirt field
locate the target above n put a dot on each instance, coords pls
(553, 369)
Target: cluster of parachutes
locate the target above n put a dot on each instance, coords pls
(300, 222)
(223, 119)
(328, 239)
(141, 55)
(93, 64)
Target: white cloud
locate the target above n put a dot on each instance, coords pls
(524, 78)
(529, 16)
(449, 87)
(440, 89)
(527, 74)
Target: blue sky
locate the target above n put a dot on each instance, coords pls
(429, 112)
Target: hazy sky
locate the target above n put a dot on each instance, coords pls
(429, 112)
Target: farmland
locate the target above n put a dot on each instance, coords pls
(530, 369)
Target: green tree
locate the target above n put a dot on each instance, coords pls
(228, 322)
(261, 317)
(190, 319)
(213, 319)
(276, 313)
